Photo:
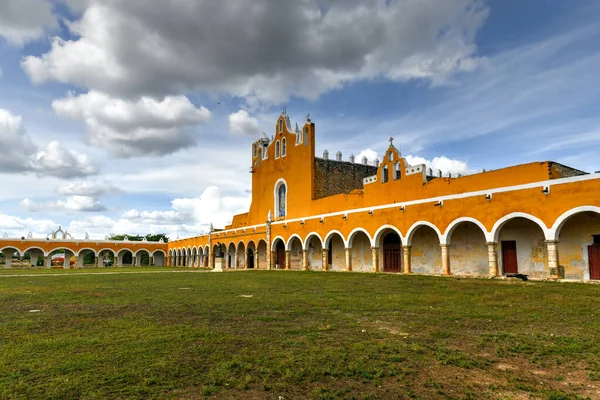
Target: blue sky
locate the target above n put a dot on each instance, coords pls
(128, 119)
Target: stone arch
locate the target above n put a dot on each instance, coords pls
(142, 257)
(9, 252)
(446, 237)
(502, 221)
(309, 237)
(81, 257)
(388, 241)
(360, 243)
(522, 245)
(262, 254)
(426, 254)
(330, 235)
(193, 261)
(278, 249)
(124, 257)
(289, 242)
(230, 256)
(295, 247)
(336, 250)
(200, 255)
(36, 248)
(352, 234)
(560, 221)
(275, 239)
(313, 243)
(384, 230)
(467, 241)
(84, 249)
(241, 255)
(170, 260)
(158, 258)
(577, 235)
(416, 226)
(252, 255)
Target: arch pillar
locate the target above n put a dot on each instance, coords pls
(288, 257)
(445, 259)
(493, 258)
(47, 261)
(272, 259)
(8, 255)
(324, 260)
(246, 255)
(553, 259)
(406, 250)
(375, 258)
(305, 260)
(348, 259)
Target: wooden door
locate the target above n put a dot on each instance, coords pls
(509, 257)
(281, 255)
(392, 253)
(594, 261)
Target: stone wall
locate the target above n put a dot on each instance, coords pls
(335, 177)
(562, 171)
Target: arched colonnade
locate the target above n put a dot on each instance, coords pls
(518, 243)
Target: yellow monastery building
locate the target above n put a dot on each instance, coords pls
(540, 219)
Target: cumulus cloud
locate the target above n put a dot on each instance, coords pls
(21, 154)
(70, 204)
(18, 227)
(264, 50)
(129, 128)
(210, 207)
(241, 123)
(443, 164)
(370, 154)
(24, 21)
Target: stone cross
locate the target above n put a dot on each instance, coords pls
(391, 141)
(308, 117)
(283, 110)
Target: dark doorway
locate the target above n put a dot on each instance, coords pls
(509, 257)
(280, 255)
(594, 260)
(392, 253)
(250, 259)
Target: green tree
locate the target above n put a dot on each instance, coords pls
(138, 238)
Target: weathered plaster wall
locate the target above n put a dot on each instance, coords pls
(532, 253)
(361, 253)
(426, 252)
(315, 254)
(338, 260)
(468, 251)
(575, 237)
(263, 260)
(296, 255)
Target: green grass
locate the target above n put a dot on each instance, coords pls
(300, 335)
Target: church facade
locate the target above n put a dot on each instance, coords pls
(540, 219)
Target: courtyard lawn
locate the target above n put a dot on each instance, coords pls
(290, 335)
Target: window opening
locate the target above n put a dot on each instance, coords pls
(283, 147)
(396, 170)
(596, 239)
(281, 200)
(254, 149)
(384, 173)
(390, 156)
(280, 125)
(277, 149)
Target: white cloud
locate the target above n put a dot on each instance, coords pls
(129, 128)
(21, 154)
(370, 154)
(261, 50)
(18, 227)
(70, 204)
(87, 188)
(442, 163)
(24, 21)
(241, 123)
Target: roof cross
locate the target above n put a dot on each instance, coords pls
(391, 141)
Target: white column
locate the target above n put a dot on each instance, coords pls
(407, 262)
(445, 259)
(348, 259)
(288, 258)
(305, 260)
(553, 261)
(8, 255)
(324, 260)
(375, 258)
(493, 258)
